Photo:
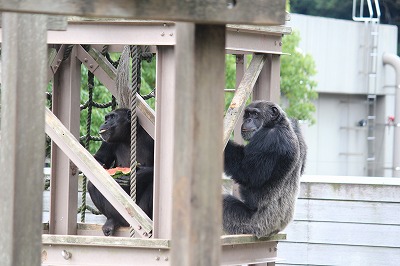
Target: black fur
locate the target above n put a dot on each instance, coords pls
(115, 152)
(267, 170)
(115, 148)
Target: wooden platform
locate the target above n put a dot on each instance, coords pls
(101, 250)
(91, 247)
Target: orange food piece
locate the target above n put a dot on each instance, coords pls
(119, 170)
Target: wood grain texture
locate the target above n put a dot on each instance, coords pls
(242, 93)
(97, 175)
(105, 241)
(163, 174)
(106, 73)
(265, 12)
(53, 22)
(22, 147)
(198, 146)
(247, 239)
(65, 105)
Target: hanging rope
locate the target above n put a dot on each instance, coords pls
(135, 54)
(104, 52)
(87, 140)
(122, 80)
(67, 51)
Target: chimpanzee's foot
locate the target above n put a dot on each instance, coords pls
(109, 227)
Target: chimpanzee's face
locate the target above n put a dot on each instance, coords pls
(116, 126)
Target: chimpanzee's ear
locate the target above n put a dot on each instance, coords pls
(129, 114)
(275, 113)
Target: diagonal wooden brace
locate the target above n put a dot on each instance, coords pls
(54, 60)
(242, 93)
(106, 73)
(132, 213)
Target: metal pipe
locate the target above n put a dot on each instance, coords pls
(394, 61)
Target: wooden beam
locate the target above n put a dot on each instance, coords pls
(256, 254)
(58, 23)
(64, 174)
(22, 132)
(106, 73)
(242, 94)
(163, 174)
(197, 144)
(132, 213)
(268, 83)
(99, 66)
(236, 250)
(106, 241)
(94, 251)
(265, 12)
(55, 61)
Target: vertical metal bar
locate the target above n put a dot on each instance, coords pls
(394, 61)
(64, 174)
(198, 145)
(268, 83)
(24, 57)
(163, 178)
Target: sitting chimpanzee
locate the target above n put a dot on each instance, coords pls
(267, 170)
(115, 152)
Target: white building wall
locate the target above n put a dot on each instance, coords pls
(344, 221)
(337, 146)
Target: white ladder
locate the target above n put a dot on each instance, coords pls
(371, 20)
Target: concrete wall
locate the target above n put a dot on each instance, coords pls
(337, 47)
(337, 146)
(344, 221)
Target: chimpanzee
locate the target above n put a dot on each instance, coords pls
(115, 148)
(267, 170)
(115, 152)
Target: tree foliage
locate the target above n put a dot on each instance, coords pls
(297, 85)
(230, 77)
(100, 95)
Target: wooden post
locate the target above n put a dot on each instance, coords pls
(197, 142)
(268, 83)
(64, 174)
(164, 146)
(22, 150)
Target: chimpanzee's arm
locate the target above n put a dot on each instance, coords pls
(106, 154)
(233, 156)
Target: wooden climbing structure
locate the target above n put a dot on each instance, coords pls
(186, 229)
